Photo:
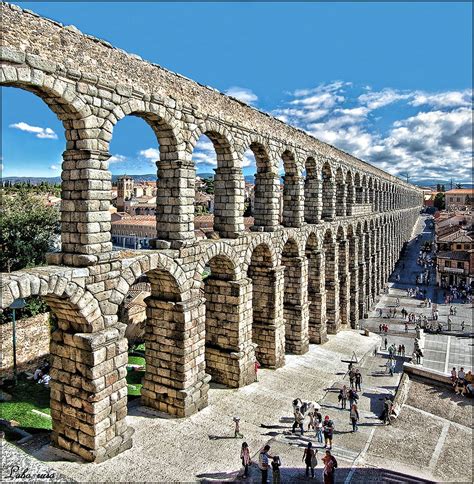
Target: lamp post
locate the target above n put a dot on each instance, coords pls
(16, 304)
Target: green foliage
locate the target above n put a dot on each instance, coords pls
(34, 305)
(439, 201)
(27, 226)
(209, 185)
(135, 377)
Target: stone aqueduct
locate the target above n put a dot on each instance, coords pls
(313, 270)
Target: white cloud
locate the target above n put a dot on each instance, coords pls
(151, 154)
(435, 143)
(43, 133)
(242, 94)
(117, 159)
(54, 167)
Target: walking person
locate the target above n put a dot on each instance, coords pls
(342, 397)
(330, 466)
(245, 457)
(358, 380)
(319, 430)
(276, 464)
(354, 416)
(351, 378)
(263, 463)
(385, 343)
(310, 460)
(237, 433)
(299, 420)
(328, 430)
(353, 397)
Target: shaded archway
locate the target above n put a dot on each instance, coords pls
(312, 192)
(331, 282)
(293, 192)
(343, 276)
(329, 192)
(351, 194)
(340, 193)
(295, 299)
(268, 325)
(353, 268)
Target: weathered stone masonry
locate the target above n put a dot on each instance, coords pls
(311, 270)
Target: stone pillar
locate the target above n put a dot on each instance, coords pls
(267, 202)
(175, 381)
(329, 200)
(368, 273)
(350, 199)
(230, 353)
(363, 309)
(85, 217)
(354, 282)
(332, 291)
(312, 200)
(268, 330)
(293, 200)
(359, 193)
(89, 393)
(175, 204)
(365, 194)
(341, 193)
(295, 305)
(344, 282)
(229, 187)
(317, 298)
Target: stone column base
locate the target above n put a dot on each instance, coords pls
(296, 328)
(270, 351)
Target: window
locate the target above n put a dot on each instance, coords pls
(460, 265)
(458, 246)
(447, 263)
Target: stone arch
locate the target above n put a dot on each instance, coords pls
(229, 182)
(293, 191)
(266, 198)
(267, 249)
(218, 251)
(312, 192)
(268, 325)
(331, 281)
(228, 322)
(343, 280)
(329, 191)
(341, 192)
(350, 193)
(359, 195)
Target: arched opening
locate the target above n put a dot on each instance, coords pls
(371, 194)
(295, 307)
(312, 193)
(316, 291)
(353, 268)
(228, 325)
(293, 192)
(343, 276)
(213, 149)
(340, 194)
(362, 271)
(268, 326)
(140, 167)
(374, 268)
(368, 267)
(329, 192)
(365, 192)
(265, 198)
(350, 191)
(358, 189)
(332, 283)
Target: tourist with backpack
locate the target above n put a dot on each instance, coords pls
(354, 416)
(328, 430)
(299, 421)
(342, 397)
(330, 466)
(263, 463)
(353, 397)
(310, 459)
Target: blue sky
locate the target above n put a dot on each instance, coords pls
(389, 82)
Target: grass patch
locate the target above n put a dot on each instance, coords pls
(134, 377)
(26, 396)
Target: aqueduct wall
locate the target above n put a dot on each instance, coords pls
(312, 270)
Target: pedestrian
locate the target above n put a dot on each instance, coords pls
(406, 327)
(237, 433)
(351, 378)
(403, 350)
(263, 462)
(358, 380)
(399, 350)
(354, 416)
(257, 367)
(462, 326)
(299, 420)
(342, 397)
(385, 343)
(319, 428)
(387, 410)
(245, 457)
(380, 327)
(330, 466)
(454, 374)
(328, 430)
(309, 458)
(311, 424)
(276, 464)
(353, 397)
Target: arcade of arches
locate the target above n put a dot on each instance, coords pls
(309, 269)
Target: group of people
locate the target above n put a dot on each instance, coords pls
(41, 374)
(463, 293)
(267, 461)
(462, 382)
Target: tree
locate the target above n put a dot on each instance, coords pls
(458, 185)
(439, 201)
(438, 187)
(442, 188)
(27, 228)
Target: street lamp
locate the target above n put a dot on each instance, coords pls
(16, 304)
